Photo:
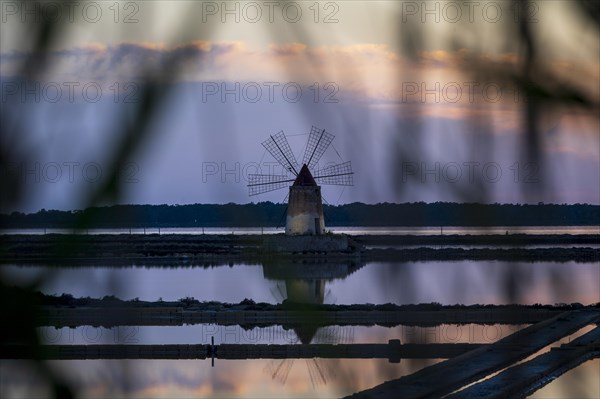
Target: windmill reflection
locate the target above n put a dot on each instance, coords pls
(301, 283)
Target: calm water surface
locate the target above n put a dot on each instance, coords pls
(456, 282)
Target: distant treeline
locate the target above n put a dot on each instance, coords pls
(268, 214)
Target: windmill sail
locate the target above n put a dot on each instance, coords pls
(258, 184)
(338, 175)
(278, 146)
(318, 142)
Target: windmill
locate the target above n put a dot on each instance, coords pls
(305, 205)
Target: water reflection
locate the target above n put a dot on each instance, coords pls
(305, 283)
(196, 378)
(301, 285)
(445, 282)
(236, 379)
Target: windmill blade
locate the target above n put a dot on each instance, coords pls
(316, 372)
(337, 175)
(334, 335)
(258, 184)
(278, 146)
(286, 371)
(318, 142)
(325, 335)
(280, 369)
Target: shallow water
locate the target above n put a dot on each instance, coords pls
(266, 378)
(276, 334)
(485, 246)
(262, 378)
(445, 282)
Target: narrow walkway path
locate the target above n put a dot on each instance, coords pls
(525, 378)
(443, 378)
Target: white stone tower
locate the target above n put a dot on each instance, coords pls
(305, 206)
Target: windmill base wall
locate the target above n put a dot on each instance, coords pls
(328, 243)
(305, 211)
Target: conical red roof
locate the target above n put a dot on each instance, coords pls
(304, 178)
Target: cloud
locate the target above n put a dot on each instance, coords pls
(369, 73)
(233, 56)
(438, 84)
(291, 49)
(122, 61)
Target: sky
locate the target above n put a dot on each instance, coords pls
(417, 94)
